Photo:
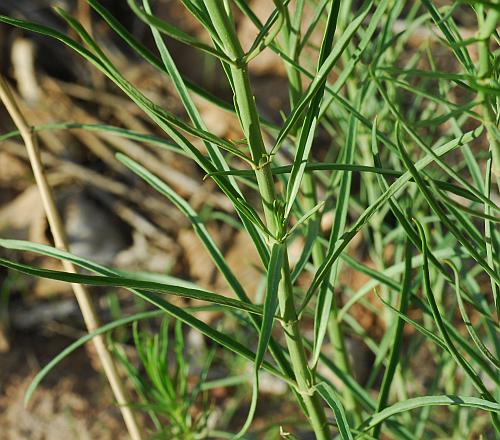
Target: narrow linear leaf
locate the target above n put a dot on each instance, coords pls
(319, 79)
(442, 215)
(414, 236)
(444, 25)
(245, 210)
(419, 402)
(310, 121)
(465, 317)
(355, 168)
(197, 225)
(81, 341)
(325, 297)
(437, 315)
(355, 56)
(397, 339)
(430, 151)
(270, 306)
(122, 281)
(147, 55)
(436, 339)
(175, 33)
(330, 397)
(181, 314)
(324, 269)
(271, 300)
(307, 215)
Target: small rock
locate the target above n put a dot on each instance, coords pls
(93, 232)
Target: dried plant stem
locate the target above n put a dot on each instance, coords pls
(81, 293)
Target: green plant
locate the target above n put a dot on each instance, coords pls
(164, 391)
(398, 150)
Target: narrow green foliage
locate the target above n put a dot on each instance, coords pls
(79, 343)
(183, 315)
(123, 281)
(418, 402)
(335, 404)
(270, 307)
(437, 315)
(326, 66)
(392, 116)
(175, 33)
(271, 301)
(470, 328)
(444, 218)
(397, 339)
(310, 121)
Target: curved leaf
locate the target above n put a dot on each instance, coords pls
(134, 283)
(419, 402)
(327, 392)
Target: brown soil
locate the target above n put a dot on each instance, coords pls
(73, 402)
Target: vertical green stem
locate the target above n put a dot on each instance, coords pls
(335, 332)
(486, 28)
(398, 335)
(303, 375)
(250, 125)
(292, 38)
(310, 199)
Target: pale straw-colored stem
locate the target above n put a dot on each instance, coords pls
(56, 227)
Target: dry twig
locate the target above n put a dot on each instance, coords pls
(56, 227)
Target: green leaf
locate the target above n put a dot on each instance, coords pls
(177, 34)
(147, 55)
(163, 118)
(81, 341)
(186, 100)
(244, 209)
(419, 402)
(108, 129)
(355, 56)
(470, 328)
(182, 314)
(324, 269)
(330, 396)
(452, 36)
(443, 216)
(271, 301)
(310, 121)
(107, 67)
(492, 4)
(397, 338)
(270, 307)
(414, 236)
(437, 315)
(325, 297)
(319, 79)
(122, 281)
(307, 215)
(319, 166)
(265, 36)
(429, 334)
(430, 151)
(198, 226)
(355, 168)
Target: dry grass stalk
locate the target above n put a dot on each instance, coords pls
(60, 240)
